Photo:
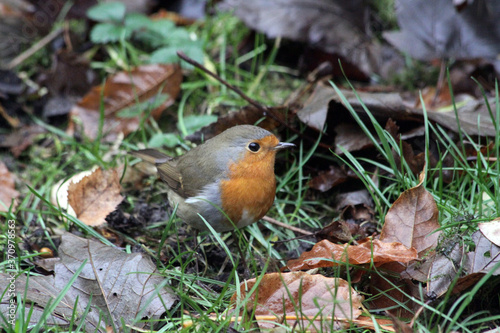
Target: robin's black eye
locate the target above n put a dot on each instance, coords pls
(254, 147)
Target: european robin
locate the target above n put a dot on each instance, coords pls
(229, 179)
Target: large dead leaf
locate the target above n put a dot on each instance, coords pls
(95, 196)
(155, 86)
(473, 115)
(120, 288)
(413, 219)
(302, 297)
(7, 188)
(434, 29)
(334, 26)
(367, 251)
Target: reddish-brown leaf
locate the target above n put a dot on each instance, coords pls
(327, 179)
(367, 251)
(7, 188)
(95, 196)
(298, 295)
(413, 219)
(122, 90)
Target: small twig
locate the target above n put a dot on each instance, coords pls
(34, 48)
(196, 64)
(286, 226)
(265, 110)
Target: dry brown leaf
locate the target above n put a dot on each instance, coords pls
(117, 286)
(95, 196)
(122, 90)
(367, 251)
(327, 179)
(7, 188)
(491, 230)
(412, 220)
(300, 295)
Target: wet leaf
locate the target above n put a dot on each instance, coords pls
(434, 30)
(324, 253)
(7, 188)
(300, 295)
(412, 220)
(334, 26)
(117, 286)
(121, 91)
(95, 196)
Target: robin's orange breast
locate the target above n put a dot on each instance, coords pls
(249, 190)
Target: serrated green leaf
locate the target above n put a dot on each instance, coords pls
(107, 32)
(196, 122)
(135, 21)
(163, 139)
(169, 54)
(162, 27)
(107, 11)
(164, 55)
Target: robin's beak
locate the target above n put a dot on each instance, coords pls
(284, 145)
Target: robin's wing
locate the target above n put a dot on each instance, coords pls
(169, 174)
(166, 168)
(151, 156)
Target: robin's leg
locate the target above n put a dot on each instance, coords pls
(246, 270)
(195, 249)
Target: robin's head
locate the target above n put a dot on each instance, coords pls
(249, 145)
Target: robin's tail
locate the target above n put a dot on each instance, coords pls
(151, 156)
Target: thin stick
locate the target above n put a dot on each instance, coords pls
(34, 48)
(286, 226)
(265, 110)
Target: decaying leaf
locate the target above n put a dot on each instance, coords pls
(120, 288)
(413, 220)
(155, 86)
(334, 26)
(324, 253)
(95, 196)
(435, 30)
(7, 188)
(486, 255)
(298, 296)
(327, 179)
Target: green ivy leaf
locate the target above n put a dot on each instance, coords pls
(107, 11)
(107, 32)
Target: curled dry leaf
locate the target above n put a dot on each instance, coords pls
(7, 188)
(156, 84)
(95, 196)
(413, 219)
(301, 296)
(324, 253)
